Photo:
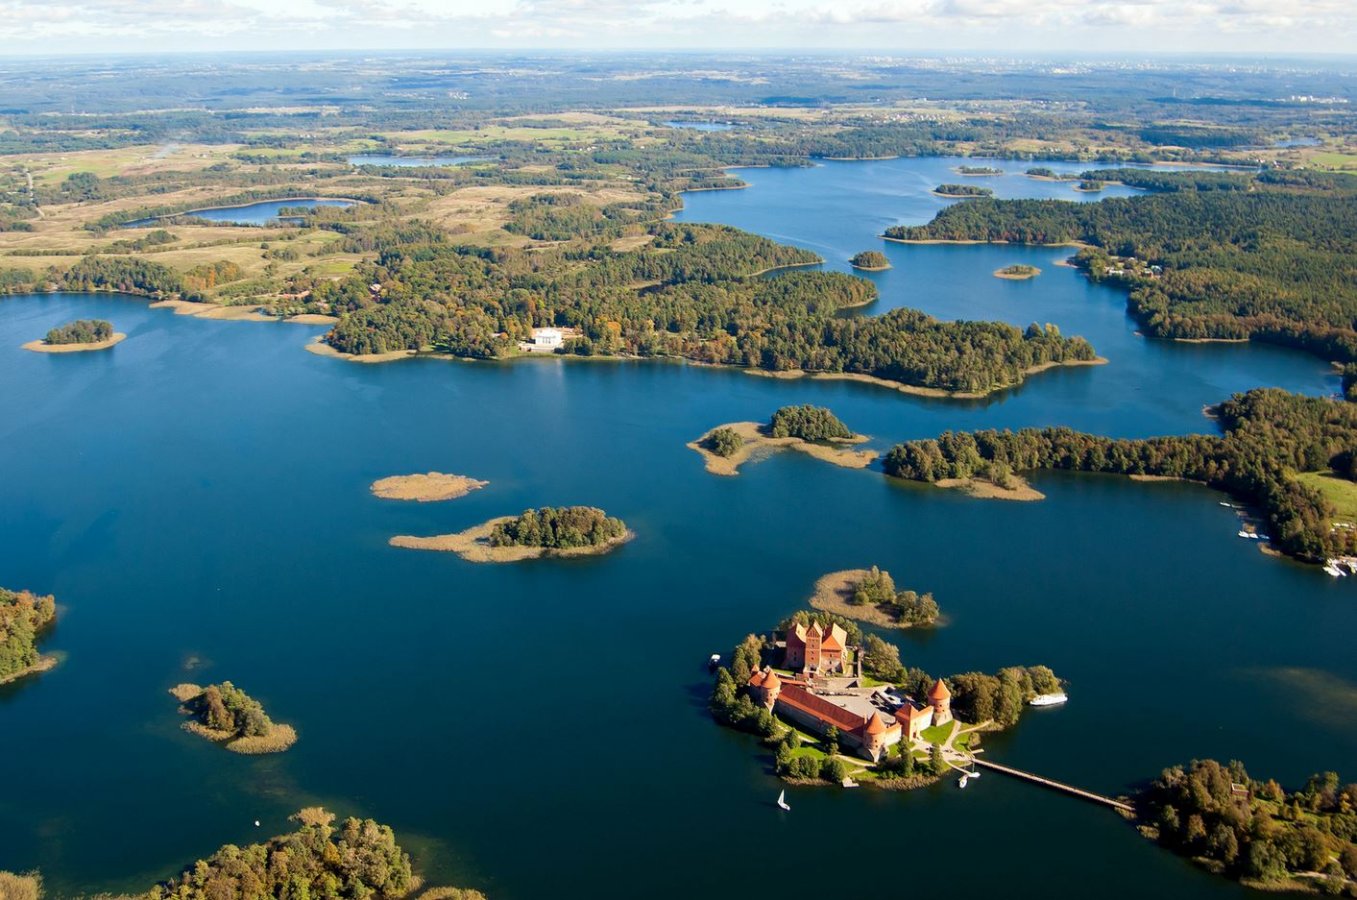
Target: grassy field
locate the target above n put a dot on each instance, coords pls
(1338, 491)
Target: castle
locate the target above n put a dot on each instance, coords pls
(852, 710)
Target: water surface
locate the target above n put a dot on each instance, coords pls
(197, 498)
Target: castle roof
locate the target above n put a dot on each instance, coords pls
(835, 638)
(801, 699)
(909, 712)
(939, 691)
(875, 725)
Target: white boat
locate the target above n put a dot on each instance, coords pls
(1333, 571)
(782, 801)
(714, 661)
(1048, 699)
(974, 773)
(962, 782)
(1246, 534)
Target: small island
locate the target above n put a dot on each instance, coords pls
(535, 533)
(835, 706)
(225, 714)
(870, 261)
(962, 190)
(77, 337)
(869, 595)
(1045, 173)
(24, 616)
(1254, 831)
(978, 171)
(990, 479)
(808, 429)
(1018, 272)
(1090, 185)
(430, 487)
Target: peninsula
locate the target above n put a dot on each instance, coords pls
(869, 595)
(536, 533)
(225, 714)
(808, 429)
(78, 336)
(870, 261)
(430, 487)
(1255, 831)
(837, 706)
(24, 616)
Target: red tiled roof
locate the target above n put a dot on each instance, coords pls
(834, 639)
(875, 725)
(831, 714)
(939, 691)
(909, 712)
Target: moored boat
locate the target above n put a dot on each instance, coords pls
(1048, 699)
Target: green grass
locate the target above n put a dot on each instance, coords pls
(1338, 491)
(937, 734)
(1330, 160)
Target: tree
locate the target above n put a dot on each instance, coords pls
(831, 740)
(936, 763)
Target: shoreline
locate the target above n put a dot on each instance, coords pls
(1080, 245)
(41, 346)
(279, 738)
(916, 390)
(984, 489)
(44, 664)
(471, 545)
(758, 443)
(989, 196)
(188, 212)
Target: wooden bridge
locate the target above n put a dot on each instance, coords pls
(1056, 785)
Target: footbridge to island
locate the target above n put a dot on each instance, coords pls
(1055, 785)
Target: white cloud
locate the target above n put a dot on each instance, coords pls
(996, 25)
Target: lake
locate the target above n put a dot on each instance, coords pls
(700, 126)
(262, 213)
(197, 498)
(412, 162)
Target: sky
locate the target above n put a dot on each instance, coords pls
(1272, 27)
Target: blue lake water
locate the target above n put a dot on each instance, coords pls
(412, 162)
(197, 498)
(262, 213)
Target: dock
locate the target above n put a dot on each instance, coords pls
(1056, 785)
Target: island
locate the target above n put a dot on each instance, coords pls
(313, 860)
(869, 595)
(1045, 173)
(812, 430)
(77, 337)
(836, 706)
(225, 714)
(870, 261)
(962, 190)
(535, 533)
(430, 487)
(1254, 831)
(978, 170)
(1090, 185)
(24, 617)
(1017, 272)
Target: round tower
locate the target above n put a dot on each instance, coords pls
(941, 700)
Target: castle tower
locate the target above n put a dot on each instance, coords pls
(941, 700)
(874, 736)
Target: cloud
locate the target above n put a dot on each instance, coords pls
(997, 25)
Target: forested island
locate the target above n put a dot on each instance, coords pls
(978, 170)
(1017, 272)
(1046, 173)
(870, 595)
(359, 858)
(870, 261)
(225, 714)
(808, 429)
(1268, 436)
(77, 336)
(1255, 831)
(24, 617)
(546, 532)
(962, 190)
(1233, 256)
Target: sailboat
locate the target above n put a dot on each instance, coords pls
(782, 801)
(962, 782)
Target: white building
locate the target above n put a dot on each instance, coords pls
(546, 338)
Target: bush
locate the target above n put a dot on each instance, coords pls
(809, 423)
(724, 441)
(81, 331)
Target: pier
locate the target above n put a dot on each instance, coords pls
(1056, 785)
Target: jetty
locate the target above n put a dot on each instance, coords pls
(1055, 785)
